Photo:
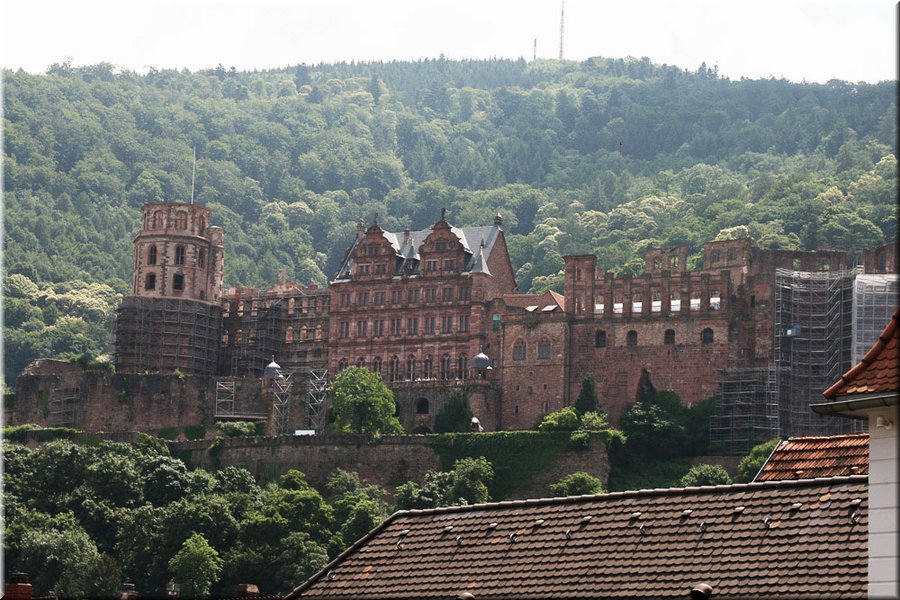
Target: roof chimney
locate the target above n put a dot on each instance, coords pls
(17, 588)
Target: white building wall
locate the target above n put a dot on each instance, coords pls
(883, 505)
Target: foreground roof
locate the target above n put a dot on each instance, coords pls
(817, 456)
(877, 372)
(797, 539)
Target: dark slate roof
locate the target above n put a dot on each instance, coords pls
(818, 456)
(878, 371)
(407, 248)
(788, 539)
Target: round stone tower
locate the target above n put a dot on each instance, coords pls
(173, 318)
(177, 254)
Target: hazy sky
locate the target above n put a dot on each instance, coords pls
(817, 40)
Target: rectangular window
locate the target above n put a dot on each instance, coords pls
(465, 293)
(362, 298)
(464, 322)
(345, 299)
(379, 298)
(430, 294)
(395, 326)
(446, 324)
(201, 258)
(345, 329)
(179, 255)
(178, 282)
(413, 296)
(495, 323)
(412, 326)
(429, 324)
(151, 255)
(378, 328)
(380, 269)
(449, 265)
(447, 294)
(543, 350)
(395, 296)
(431, 265)
(363, 269)
(361, 328)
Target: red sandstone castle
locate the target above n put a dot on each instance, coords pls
(436, 312)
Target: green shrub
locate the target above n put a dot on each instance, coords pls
(577, 484)
(455, 416)
(700, 475)
(168, 433)
(753, 462)
(561, 420)
(195, 432)
(238, 428)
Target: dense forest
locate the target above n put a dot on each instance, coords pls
(606, 156)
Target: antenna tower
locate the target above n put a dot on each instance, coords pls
(562, 23)
(193, 173)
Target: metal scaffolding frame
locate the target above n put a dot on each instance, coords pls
(813, 332)
(746, 409)
(316, 398)
(874, 302)
(165, 334)
(282, 388)
(62, 406)
(225, 398)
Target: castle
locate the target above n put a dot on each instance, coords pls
(436, 312)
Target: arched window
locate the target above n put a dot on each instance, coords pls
(669, 337)
(422, 406)
(462, 367)
(673, 262)
(150, 282)
(543, 350)
(600, 339)
(707, 336)
(411, 368)
(178, 282)
(394, 370)
(376, 365)
(342, 364)
(201, 225)
(289, 335)
(180, 220)
(151, 255)
(225, 339)
(657, 263)
(179, 255)
(158, 220)
(360, 362)
(519, 350)
(632, 338)
(428, 368)
(238, 337)
(201, 258)
(318, 332)
(445, 367)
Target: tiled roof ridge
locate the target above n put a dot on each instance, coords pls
(891, 331)
(838, 436)
(644, 493)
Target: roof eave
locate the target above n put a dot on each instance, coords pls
(855, 406)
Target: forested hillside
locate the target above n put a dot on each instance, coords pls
(607, 156)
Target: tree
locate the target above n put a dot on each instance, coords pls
(753, 462)
(703, 474)
(561, 420)
(362, 403)
(196, 567)
(577, 484)
(466, 483)
(587, 398)
(454, 416)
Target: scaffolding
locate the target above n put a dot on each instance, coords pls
(874, 303)
(316, 397)
(746, 409)
(813, 332)
(165, 334)
(282, 387)
(225, 398)
(62, 406)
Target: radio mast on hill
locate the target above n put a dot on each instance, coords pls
(562, 23)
